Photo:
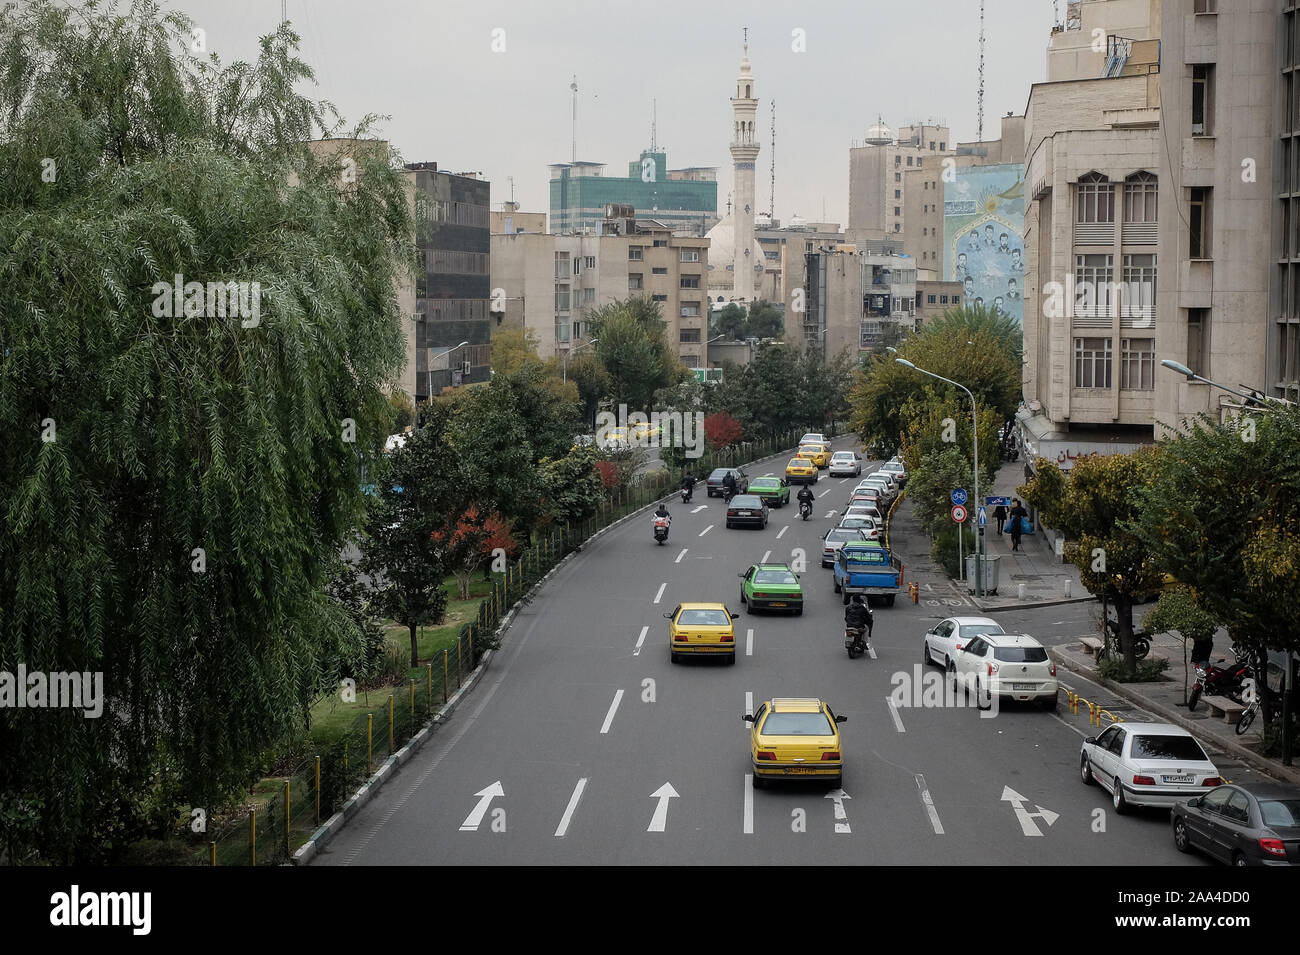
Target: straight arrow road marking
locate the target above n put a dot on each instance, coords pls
(659, 821)
(782, 531)
(706, 530)
(749, 644)
(613, 708)
(933, 813)
(700, 508)
(766, 555)
(830, 513)
(680, 556)
(485, 796)
(841, 816)
(568, 810)
(748, 827)
(893, 711)
(662, 587)
(1024, 816)
(640, 640)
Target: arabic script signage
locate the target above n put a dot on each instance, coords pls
(1065, 453)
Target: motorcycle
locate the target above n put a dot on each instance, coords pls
(1141, 642)
(1218, 680)
(805, 509)
(686, 495)
(661, 529)
(855, 641)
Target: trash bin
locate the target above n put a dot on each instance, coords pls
(992, 571)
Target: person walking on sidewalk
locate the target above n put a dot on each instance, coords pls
(1000, 515)
(1016, 514)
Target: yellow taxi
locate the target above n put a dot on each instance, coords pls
(801, 471)
(795, 738)
(642, 432)
(702, 629)
(818, 454)
(612, 438)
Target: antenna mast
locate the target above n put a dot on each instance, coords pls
(654, 122)
(980, 134)
(574, 128)
(771, 209)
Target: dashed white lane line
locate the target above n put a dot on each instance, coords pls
(766, 555)
(782, 531)
(871, 652)
(830, 513)
(749, 705)
(660, 594)
(749, 644)
(933, 813)
(768, 474)
(640, 640)
(749, 805)
(893, 711)
(824, 493)
(706, 530)
(573, 804)
(613, 708)
(680, 556)
(700, 508)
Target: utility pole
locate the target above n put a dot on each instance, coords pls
(771, 209)
(980, 133)
(574, 127)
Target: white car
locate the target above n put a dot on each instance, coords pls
(862, 507)
(897, 470)
(845, 462)
(1147, 764)
(836, 538)
(874, 530)
(811, 438)
(942, 641)
(878, 484)
(1011, 666)
(890, 479)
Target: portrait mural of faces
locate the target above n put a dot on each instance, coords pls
(984, 211)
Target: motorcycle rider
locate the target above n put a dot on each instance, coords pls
(662, 511)
(858, 616)
(729, 486)
(806, 496)
(688, 484)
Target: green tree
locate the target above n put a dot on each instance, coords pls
(175, 528)
(823, 390)
(772, 387)
(1177, 610)
(633, 347)
(402, 409)
(573, 486)
(548, 409)
(765, 320)
(969, 319)
(513, 347)
(731, 322)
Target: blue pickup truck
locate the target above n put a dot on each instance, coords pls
(865, 567)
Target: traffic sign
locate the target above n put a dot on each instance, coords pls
(997, 501)
(983, 517)
(958, 495)
(959, 514)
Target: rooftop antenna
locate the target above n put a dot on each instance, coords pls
(980, 134)
(771, 208)
(512, 189)
(574, 128)
(284, 11)
(654, 122)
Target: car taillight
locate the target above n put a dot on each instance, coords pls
(1274, 847)
(833, 754)
(993, 668)
(1052, 669)
(728, 638)
(679, 638)
(767, 756)
(1143, 781)
(759, 595)
(1212, 781)
(959, 646)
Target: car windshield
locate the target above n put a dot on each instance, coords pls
(703, 618)
(774, 577)
(841, 534)
(797, 724)
(1018, 654)
(842, 456)
(763, 484)
(1175, 748)
(1280, 812)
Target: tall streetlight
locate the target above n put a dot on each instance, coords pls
(570, 351)
(1253, 396)
(428, 373)
(975, 438)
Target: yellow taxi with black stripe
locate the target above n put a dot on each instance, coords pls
(795, 738)
(702, 630)
(801, 470)
(818, 454)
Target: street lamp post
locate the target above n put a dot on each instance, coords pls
(1257, 397)
(568, 352)
(428, 373)
(975, 439)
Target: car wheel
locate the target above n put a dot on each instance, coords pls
(1118, 800)
(846, 596)
(798, 611)
(1085, 772)
(673, 655)
(835, 582)
(1181, 842)
(728, 525)
(925, 653)
(889, 600)
(837, 782)
(731, 660)
(1239, 859)
(1049, 704)
(759, 781)
(980, 702)
(1193, 697)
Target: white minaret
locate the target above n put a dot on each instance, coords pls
(744, 153)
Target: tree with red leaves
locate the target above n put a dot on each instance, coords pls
(721, 430)
(471, 543)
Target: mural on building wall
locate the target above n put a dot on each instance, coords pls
(983, 215)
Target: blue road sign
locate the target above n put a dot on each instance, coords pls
(984, 518)
(995, 501)
(958, 495)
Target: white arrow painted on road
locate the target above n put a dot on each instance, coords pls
(841, 816)
(659, 821)
(830, 513)
(1025, 817)
(486, 796)
(700, 508)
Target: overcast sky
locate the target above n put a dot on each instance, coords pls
(429, 66)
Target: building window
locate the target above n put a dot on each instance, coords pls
(688, 336)
(898, 193)
(897, 211)
(562, 333)
(931, 299)
(898, 160)
(635, 280)
(943, 300)
(588, 296)
(1094, 293)
(898, 177)
(1095, 200)
(689, 281)
(1140, 288)
(590, 262)
(660, 243)
(1092, 363)
(1140, 194)
(561, 299)
(634, 253)
(921, 159)
(897, 227)
(909, 160)
(1202, 99)
(1203, 6)
(1198, 219)
(690, 310)
(659, 298)
(1138, 364)
(943, 147)
(663, 271)
(1198, 341)
(956, 300)
(690, 255)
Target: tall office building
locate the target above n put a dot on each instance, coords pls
(685, 200)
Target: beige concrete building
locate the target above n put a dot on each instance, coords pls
(933, 298)
(854, 297)
(877, 170)
(509, 220)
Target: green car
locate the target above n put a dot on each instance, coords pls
(771, 587)
(773, 490)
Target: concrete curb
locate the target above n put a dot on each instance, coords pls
(332, 826)
(1249, 757)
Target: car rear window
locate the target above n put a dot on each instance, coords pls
(1018, 654)
(842, 534)
(703, 618)
(718, 474)
(852, 556)
(774, 577)
(1280, 812)
(1178, 748)
(797, 724)
(746, 500)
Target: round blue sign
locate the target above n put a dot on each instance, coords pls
(959, 495)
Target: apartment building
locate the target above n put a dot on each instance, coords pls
(877, 185)
(853, 298)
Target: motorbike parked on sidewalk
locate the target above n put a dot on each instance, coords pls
(661, 529)
(1141, 642)
(1215, 680)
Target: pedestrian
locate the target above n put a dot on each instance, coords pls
(1000, 515)
(1016, 515)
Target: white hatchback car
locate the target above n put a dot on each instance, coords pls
(845, 463)
(941, 642)
(1147, 764)
(1011, 666)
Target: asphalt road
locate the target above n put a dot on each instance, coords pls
(566, 750)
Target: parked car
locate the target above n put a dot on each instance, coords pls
(793, 738)
(1146, 764)
(714, 483)
(836, 538)
(771, 587)
(942, 641)
(896, 468)
(845, 463)
(874, 528)
(1241, 824)
(747, 509)
(870, 496)
(1011, 666)
(701, 629)
(888, 477)
(774, 491)
(858, 522)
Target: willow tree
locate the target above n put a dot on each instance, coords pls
(178, 472)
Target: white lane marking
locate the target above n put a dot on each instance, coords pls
(782, 531)
(841, 816)
(749, 643)
(568, 810)
(871, 652)
(706, 530)
(680, 556)
(700, 508)
(830, 513)
(1069, 725)
(749, 705)
(613, 708)
(768, 474)
(766, 555)
(640, 640)
(662, 587)
(1024, 816)
(933, 813)
(824, 493)
(893, 711)
(659, 821)
(476, 814)
(748, 827)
